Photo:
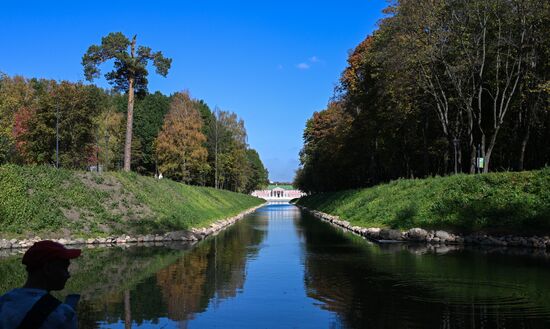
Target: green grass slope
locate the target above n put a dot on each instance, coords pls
(40, 200)
(496, 202)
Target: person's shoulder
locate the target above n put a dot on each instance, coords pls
(5, 297)
(12, 292)
(7, 294)
(19, 293)
(64, 316)
(16, 303)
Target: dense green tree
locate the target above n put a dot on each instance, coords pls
(231, 150)
(129, 75)
(257, 176)
(214, 145)
(322, 151)
(73, 109)
(208, 120)
(149, 116)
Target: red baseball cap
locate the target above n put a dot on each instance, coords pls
(45, 251)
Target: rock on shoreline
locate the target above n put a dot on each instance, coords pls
(434, 236)
(192, 235)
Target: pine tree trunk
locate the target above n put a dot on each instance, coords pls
(129, 125)
(130, 117)
(216, 182)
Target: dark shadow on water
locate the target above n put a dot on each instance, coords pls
(414, 286)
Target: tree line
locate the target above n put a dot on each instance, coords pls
(175, 135)
(439, 87)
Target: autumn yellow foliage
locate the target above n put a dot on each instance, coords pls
(179, 146)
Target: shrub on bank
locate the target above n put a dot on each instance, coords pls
(495, 202)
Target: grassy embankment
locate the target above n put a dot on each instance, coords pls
(495, 203)
(40, 200)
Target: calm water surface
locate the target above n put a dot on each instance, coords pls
(280, 268)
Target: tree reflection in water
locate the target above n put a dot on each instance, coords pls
(145, 285)
(348, 283)
(215, 270)
(390, 286)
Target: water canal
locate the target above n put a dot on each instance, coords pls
(281, 268)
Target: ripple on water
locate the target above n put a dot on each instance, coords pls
(505, 299)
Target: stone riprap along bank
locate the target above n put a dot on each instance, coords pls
(434, 236)
(194, 234)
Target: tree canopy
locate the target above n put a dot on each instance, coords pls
(173, 134)
(180, 144)
(437, 87)
(129, 74)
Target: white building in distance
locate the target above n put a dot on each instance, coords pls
(278, 193)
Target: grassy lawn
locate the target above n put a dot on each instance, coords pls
(508, 202)
(40, 200)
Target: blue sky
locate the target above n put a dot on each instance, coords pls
(272, 62)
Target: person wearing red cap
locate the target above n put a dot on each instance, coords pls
(32, 306)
